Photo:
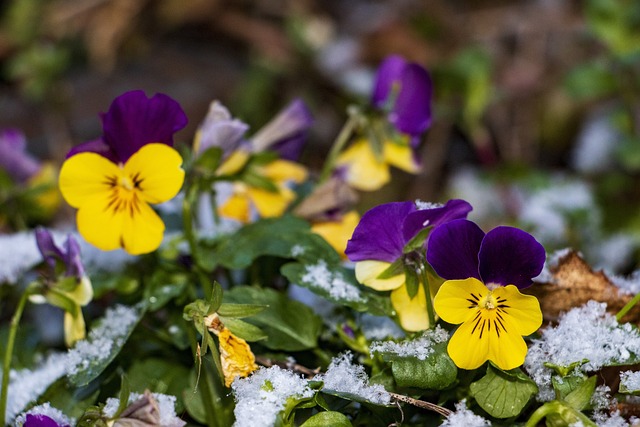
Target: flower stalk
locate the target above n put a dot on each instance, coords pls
(341, 140)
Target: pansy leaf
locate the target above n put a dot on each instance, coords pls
(417, 241)
(565, 385)
(255, 180)
(92, 355)
(163, 289)
(290, 325)
(209, 159)
(501, 394)
(216, 297)
(412, 281)
(396, 267)
(436, 372)
(580, 398)
(239, 310)
(337, 284)
(244, 330)
(328, 418)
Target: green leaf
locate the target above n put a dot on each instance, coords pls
(501, 394)
(580, 398)
(159, 376)
(160, 292)
(590, 81)
(285, 237)
(209, 159)
(436, 372)
(290, 325)
(240, 310)
(396, 267)
(244, 330)
(216, 297)
(328, 418)
(94, 363)
(565, 385)
(125, 391)
(563, 371)
(412, 281)
(417, 241)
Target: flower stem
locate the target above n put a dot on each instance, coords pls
(339, 143)
(427, 290)
(8, 354)
(556, 408)
(628, 306)
(191, 192)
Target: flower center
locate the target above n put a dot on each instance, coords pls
(489, 302)
(126, 183)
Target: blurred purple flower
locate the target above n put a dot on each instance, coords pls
(52, 254)
(14, 159)
(40, 420)
(504, 256)
(404, 89)
(133, 120)
(384, 230)
(220, 129)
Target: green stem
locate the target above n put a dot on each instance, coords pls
(339, 143)
(191, 192)
(427, 290)
(8, 355)
(559, 409)
(204, 384)
(628, 307)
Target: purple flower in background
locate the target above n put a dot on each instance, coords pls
(504, 256)
(40, 420)
(14, 159)
(52, 254)
(133, 120)
(404, 89)
(220, 129)
(380, 240)
(286, 132)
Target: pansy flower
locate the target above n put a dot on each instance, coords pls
(67, 287)
(484, 273)
(112, 181)
(381, 239)
(402, 93)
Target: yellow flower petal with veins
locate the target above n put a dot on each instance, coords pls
(236, 357)
(412, 312)
(337, 233)
(367, 273)
(112, 200)
(493, 322)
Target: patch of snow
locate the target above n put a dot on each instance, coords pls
(332, 282)
(464, 417)
(420, 348)
(47, 410)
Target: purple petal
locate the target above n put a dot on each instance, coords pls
(134, 120)
(219, 129)
(389, 72)
(411, 113)
(47, 247)
(97, 146)
(378, 236)
(39, 420)
(14, 159)
(72, 258)
(452, 249)
(287, 132)
(416, 221)
(509, 256)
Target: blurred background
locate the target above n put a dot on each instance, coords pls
(537, 113)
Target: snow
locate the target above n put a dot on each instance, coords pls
(47, 410)
(584, 333)
(463, 417)
(420, 348)
(262, 395)
(166, 408)
(345, 377)
(332, 282)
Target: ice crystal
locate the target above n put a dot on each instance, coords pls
(420, 348)
(630, 380)
(345, 377)
(427, 205)
(261, 396)
(332, 282)
(585, 333)
(112, 330)
(166, 408)
(464, 417)
(47, 410)
(380, 327)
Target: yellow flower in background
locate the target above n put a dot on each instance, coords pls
(337, 232)
(365, 170)
(267, 202)
(113, 199)
(493, 322)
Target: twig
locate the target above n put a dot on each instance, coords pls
(421, 404)
(310, 373)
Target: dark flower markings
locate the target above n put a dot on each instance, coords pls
(119, 203)
(498, 321)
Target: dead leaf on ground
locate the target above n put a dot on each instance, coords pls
(574, 284)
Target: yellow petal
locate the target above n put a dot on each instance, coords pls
(157, 169)
(364, 171)
(367, 273)
(83, 293)
(270, 204)
(233, 163)
(98, 224)
(524, 310)
(453, 302)
(400, 156)
(49, 199)
(466, 350)
(83, 176)
(236, 357)
(337, 233)
(74, 328)
(236, 207)
(412, 312)
(143, 231)
(281, 171)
